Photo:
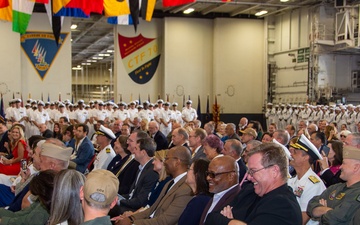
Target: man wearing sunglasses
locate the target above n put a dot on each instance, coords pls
(223, 178)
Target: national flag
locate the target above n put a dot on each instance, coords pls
(22, 10)
(120, 97)
(147, 9)
(4, 3)
(13, 95)
(139, 100)
(149, 97)
(22, 102)
(71, 12)
(189, 98)
(167, 98)
(198, 111)
(116, 8)
(48, 97)
(42, 97)
(183, 101)
(171, 3)
(6, 12)
(72, 99)
(2, 110)
(207, 118)
(226, 0)
(59, 97)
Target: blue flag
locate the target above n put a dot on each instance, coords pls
(2, 112)
(199, 109)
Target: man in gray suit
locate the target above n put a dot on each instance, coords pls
(173, 198)
(195, 142)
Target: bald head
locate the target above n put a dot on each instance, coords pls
(223, 174)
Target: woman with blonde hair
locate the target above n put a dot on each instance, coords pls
(144, 125)
(17, 149)
(65, 204)
(330, 133)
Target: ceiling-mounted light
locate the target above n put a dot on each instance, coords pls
(106, 54)
(110, 51)
(189, 10)
(101, 54)
(284, 0)
(77, 68)
(73, 26)
(260, 13)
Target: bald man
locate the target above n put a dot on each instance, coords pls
(223, 178)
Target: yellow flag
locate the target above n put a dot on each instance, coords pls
(58, 4)
(116, 8)
(6, 12)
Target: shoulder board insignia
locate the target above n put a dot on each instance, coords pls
(314, 179)
(108, 150)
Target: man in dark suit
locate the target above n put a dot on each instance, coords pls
(173, 198)
(158, 136)
(179, 138)
(3, 135)
(318, 139)
(84, 149)
(223, 179)
(195, 142)
(234, 149)
(117, 131)
(146, 177)
(46, 133)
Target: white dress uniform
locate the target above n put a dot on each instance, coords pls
(58, 115)
(342, 120)
(177, 116)
(81, 115)
(306, 188)
(18, 114)
(294, 118)
(317, 115)
(287, 117)
(39, 118)
(350, 120)
(157, 114)
(189, 114)
(101, 114)
(143, 114)
(166, 115)
(150, 114)
(104, 157)
(306, 114)
(121, 114)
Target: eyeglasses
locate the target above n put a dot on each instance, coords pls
(252, 172)
(212, 175)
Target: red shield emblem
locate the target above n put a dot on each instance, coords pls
(140, 57)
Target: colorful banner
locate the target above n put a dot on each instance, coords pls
(41, 49)
(140, 57)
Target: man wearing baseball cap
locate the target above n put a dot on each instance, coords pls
(340, 201)
(98, 196)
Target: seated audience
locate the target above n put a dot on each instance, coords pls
(267, 137)
(196, 179)
(213, 146)
(65, 202)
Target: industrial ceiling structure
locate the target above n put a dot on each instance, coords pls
(93, 38)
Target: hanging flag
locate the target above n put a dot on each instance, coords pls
(59, 97)
(72, 12)
(72, 99)
(48, 97)
(207, 118)
(2, 110)
(139, 100)
(13, 95)
(22, 101)
(198, 111)
(121, 20)
(183, 101)
(167, 97)
(57, 5)
(216, 111)
(4, 3)
(116, 8)
(147, 9)
(42, 97)
(6, 12)
(41, 1)
(120, 97)
(171, 3)
(134, 12)
(56, 21)
(86, 6)
(149, 97)
(22, 10)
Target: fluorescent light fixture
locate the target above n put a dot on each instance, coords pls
(86, 64)
(73, 27)
(106, 54)
(260, 13)
(189, 10)
(110, 51)
(284, 0)
(88, 60)
(77, 68)
(93, 60)
(97, 57)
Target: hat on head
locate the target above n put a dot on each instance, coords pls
(132, 103)
(140, 106)
(151, 105)
(160, 101)
(345, 133)
(188, 102)
(91, 102)
(41, 103)
(106, 132)
(100, 103)
(270, 103)
(56, 152)
(351, 152)
(249, 131)
(81, 101)
(101, 187)
(167, 103)
(16, 100)
(284, 148)
(61, 105)
(146, 102)
(47, 103)
(174, 104)
(304, 144)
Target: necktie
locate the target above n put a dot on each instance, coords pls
(170, 185)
